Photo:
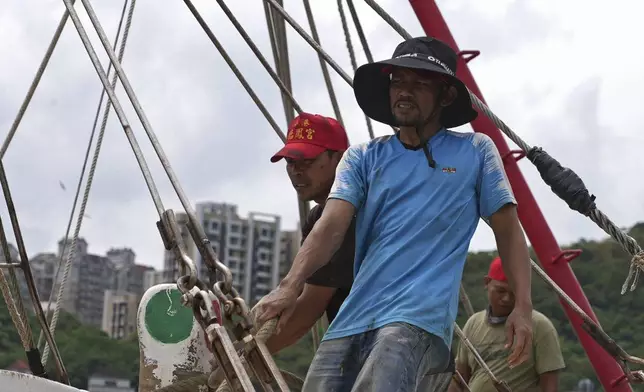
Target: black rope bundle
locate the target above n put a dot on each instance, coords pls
(563, 181)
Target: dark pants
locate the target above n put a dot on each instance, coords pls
(394, 358)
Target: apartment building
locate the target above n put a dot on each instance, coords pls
(128, 277)
(119, 313)
(250, 247)
(289, 245)
(153, 278)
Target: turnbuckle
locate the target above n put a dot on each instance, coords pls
(172, 241)
(262, 364)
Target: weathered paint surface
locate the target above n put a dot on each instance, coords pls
(166, 320)
(172, 344)
(19, 382)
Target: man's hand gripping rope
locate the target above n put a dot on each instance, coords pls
(212, 308)
(278, 304)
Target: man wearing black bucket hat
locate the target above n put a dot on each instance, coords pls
(418, 196)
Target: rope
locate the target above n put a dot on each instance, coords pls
(311, 41)
(500, 386)
(277, 33)
(235, 70)
(71, 254)
(34, 83)
(285, 90)
(279, 45)
(33, 356)
(352, 56)
(361, 34)
(14, 292)
(17, 318)
(465, 300)
(626, 241)
(325, 70)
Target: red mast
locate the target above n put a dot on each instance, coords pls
(553, 259)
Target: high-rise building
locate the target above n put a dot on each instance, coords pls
(153, 278)
(263, 255)
(128, 276)
(290, 244)
(89, 277)
(43, 269)
(250, 247)
(119, 313)
(121, 257)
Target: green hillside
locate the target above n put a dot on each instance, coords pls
(601, 269)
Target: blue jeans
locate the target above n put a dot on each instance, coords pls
(393, 358)
(438, 382)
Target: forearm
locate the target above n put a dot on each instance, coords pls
(515, 258)
(549, 382)
(310, 306)
(290, 334)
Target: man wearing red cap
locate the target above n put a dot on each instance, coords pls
(313, 149)
(486, 330)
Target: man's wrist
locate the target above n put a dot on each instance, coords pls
(523, 304)
(292, 282)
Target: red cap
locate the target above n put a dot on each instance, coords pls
(496, 271)
(309, 135)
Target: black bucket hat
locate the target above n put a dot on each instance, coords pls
(371, 81)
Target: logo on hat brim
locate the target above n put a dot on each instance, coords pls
(431, 59)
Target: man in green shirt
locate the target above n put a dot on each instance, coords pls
(486, 331)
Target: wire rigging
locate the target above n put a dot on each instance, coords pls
(361, 34)
(325, 70)
(352, 56)
(235, 70)
(124, 26)
(283, 88)
(311, 41)
(33, 355)
(279, 45)
(12, 297)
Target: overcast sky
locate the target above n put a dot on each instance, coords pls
(563, 76)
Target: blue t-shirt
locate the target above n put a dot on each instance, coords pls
(414, 226)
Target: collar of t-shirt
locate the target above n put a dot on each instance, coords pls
(494, 320)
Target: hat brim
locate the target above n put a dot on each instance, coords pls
(371, 89)
(295, 150)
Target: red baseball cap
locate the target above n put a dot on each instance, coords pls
(309, 135)
(496, 271)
